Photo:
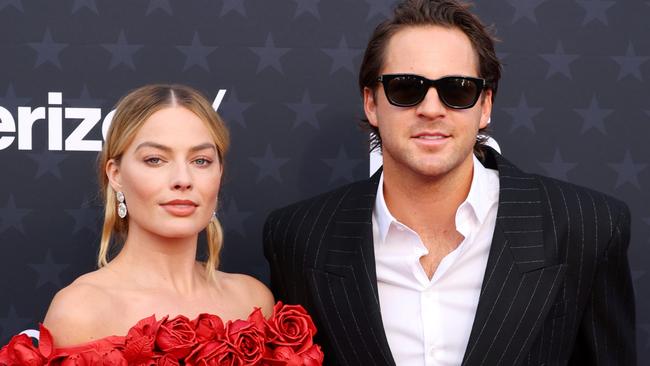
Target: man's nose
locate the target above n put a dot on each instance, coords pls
(431, 105)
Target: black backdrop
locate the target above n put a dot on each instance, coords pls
(574, 103)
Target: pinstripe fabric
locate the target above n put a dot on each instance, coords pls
(557, 287)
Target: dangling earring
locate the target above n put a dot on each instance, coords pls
(121, 206)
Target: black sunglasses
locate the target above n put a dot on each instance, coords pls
(408, 90)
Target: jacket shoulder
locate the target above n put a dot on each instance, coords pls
(555, 189)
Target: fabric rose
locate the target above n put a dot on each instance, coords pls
(208, 327)
(290, 326)
(176, 337)
(247, 337)
(106, 351)
(217, 352)
(21, 351)
(313, 356)
(140, 341)
(166, 360)
(282, 356)
(285, 356)
(88, 357)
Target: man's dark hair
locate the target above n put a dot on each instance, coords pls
(444, 13)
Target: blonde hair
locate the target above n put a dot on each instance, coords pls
(131, 113)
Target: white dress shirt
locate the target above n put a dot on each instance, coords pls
(428, 321)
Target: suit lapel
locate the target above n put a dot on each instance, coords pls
(344, 282)
(521, 280)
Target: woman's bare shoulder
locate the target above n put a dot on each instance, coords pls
(78, 312)
(249, 290)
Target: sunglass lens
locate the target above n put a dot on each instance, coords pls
(458, 92)
(406, 90)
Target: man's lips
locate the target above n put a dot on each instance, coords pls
(430, 136)
(180, 207)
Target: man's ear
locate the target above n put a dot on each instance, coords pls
(486, 108)
(113, 173)
(370, 105)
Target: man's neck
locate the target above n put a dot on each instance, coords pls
(426, 204)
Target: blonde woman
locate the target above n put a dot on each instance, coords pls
(160, 173)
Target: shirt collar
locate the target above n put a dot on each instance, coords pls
(483, 192)
(381, 213)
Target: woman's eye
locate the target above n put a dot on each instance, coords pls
(153, 161)
(202, 162)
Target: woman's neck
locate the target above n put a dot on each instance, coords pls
(153, 262)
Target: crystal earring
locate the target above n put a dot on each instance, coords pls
(121, 206)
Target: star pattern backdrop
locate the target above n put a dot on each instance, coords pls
(574, 104)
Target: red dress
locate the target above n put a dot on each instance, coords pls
(285, 338)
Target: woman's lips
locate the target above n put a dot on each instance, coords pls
(180, 208)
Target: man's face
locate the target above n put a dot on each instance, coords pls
(429, 139)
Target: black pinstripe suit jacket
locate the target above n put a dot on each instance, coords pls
(557, 288)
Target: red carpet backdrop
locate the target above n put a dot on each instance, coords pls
(574, 104)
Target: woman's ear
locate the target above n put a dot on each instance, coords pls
(113, 174)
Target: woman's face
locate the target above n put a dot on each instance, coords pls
(170, 175)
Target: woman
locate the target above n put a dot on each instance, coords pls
(160, 172)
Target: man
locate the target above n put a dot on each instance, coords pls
(451, 255)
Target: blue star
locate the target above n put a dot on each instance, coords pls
(49, 271)
(10, 101)
(15, 3)
(48, 162)
(48, 50)
(89, 4)
(630, 64)
(163, 5)
(12, 217)
(121, 52)
(269, 165)
(306, 111)
(233, 109)
(343, 56)
(307, 6)
(196, 53)
(85, 99)
(522, 115)
(595, 10)
(380, 7)
(269, 55)
(559, 62)
(558, 168)
(342, 166)
(233, 218)
(85, 218)
(525, 9)
(230, 5)
(593, 116)
(628, 171)
(12, 324)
